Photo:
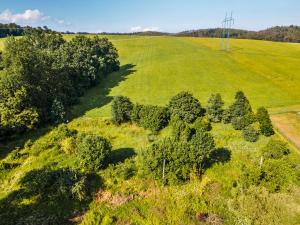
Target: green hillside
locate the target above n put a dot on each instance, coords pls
(267, 72)
(154, 69)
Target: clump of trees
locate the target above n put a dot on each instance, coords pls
(250, 134)
(44, 75)
(186, 106)
(274, 170)
(150, 117)
(215, 108)
(174, 160)
(184, 110)
(121, 109)
(241, 116)
(265, 124)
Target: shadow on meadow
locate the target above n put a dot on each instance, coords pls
(49, 197)
(93, 98)
(98, 96)
(219, 155)
(120, 155)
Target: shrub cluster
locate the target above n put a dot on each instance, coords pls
(275, 172)
(250, 134)
(265, 124)
(275, 149)
(93, 151)
(181, 131)
(121, 109)
(69, 184)
(186, 106)
(174, 160)
(241, 116)
(215, 108)
(150, 117)
(44, 75)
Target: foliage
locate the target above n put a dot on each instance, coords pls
(275, 149)
(56, 182)
(214, 108)
(239, 123)
(278, 33)
(68, 145)
(277, 174)
(177, 157)
(226, 117)
(180, 130)
(241, 106)
(202, 123)
(274, 174)
(181, 159)
(203, 145)
(58, 113)
(16, 113)
(186, 106)
(121, 109)
(44, 75)
(265, 123)
(250, 134)
(150, 117)
(93, 151)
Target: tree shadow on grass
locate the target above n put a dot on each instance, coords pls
(219, 155)
(94, 98)
(6, 146)
(49, 197)
(120, 155)
(98, 96)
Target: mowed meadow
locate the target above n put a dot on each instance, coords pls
(154, 69)
(267, 72)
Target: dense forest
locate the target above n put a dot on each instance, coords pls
(278, 33)
(43, 75)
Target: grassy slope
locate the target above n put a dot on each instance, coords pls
(165, 66)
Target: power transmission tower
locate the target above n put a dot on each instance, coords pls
(227, 24)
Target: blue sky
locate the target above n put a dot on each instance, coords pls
(138, 15)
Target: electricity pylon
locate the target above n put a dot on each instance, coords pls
(227, 24)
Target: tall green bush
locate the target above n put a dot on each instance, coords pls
(275, 149)
(215, 108)
(250, 134)
(93, 151)
(186, 106)
(150, 117)
(265, 124)
(121, 109)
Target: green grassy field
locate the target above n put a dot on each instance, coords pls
(267, 72)
(153, 69)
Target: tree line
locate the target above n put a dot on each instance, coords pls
(12, 29)
(278, 33)
(43, 75)
(191, 147)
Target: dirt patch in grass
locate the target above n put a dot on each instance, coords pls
(114, 200)
(288, 125)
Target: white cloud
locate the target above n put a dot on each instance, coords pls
(28, 15)
(144, 29)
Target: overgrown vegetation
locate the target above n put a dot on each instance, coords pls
(212, 175)
(45, 75)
